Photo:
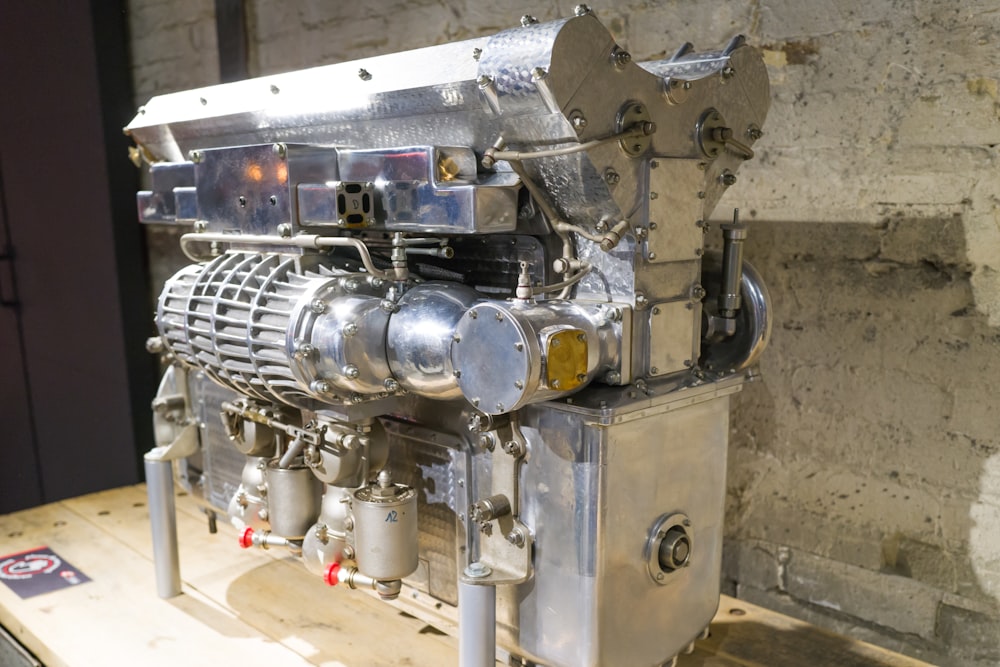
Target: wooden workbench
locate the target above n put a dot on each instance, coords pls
(258, 608)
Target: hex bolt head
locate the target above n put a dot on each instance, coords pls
(539, 73)
(351, 371)
(727, 178)
(350, 329)
(581, 10)
(364, 74)
(284, 230)
(391, 385)
(611, 176)
(516, 537)
(484, 81)
(527, 20)
(318, 306)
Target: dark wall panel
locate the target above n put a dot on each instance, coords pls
(77, 249)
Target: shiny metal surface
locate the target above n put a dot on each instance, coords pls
(163, 524)
(385, 531)
(477, 270)
(420, 336)
(293, 500)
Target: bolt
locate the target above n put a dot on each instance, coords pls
(527, 20)
(349, 552)
(364, 74)
(320, 386)
(305, 351)
(611, 176)
(519, 347)
(195, 156)
(697, 292)
(539, 73)
(473, 314)
(516, 537)
(486, 442)
(351, 371)
(388, 306)
(350, 329)
(556, 384)
(275, 90)
(653, 164)
(654, 370)
(652, 225)
(518, 384)
(698, 252)
(484, 81)
(477, 53)
(200, 226)
(500, 407)
(654, 196)
(701, 195)
(651, 256)
(621, 57)
(578, 120)
(582, 10)
(349, 523)
(601, 226)
(357, 399)
(499, 317)
(754, 133)
(318, 306)
(656, 311)
(727, 178)
(391, 385)
(280, 150)
(641, 300)
(284, 230)
(728, 72)
(615, 314)
(478, 570)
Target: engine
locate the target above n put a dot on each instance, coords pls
(451, 329)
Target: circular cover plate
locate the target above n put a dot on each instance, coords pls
(493, 359)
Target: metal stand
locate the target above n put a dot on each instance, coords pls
(477, 625)
(163, 521)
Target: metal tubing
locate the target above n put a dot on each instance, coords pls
(163, 521)
(477, 625)
(733, 236)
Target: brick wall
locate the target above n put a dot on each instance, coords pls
(864, 488)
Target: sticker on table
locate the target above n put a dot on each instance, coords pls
(40, 570)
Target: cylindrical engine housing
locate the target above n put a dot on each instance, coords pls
(385, 531)
(293, 500)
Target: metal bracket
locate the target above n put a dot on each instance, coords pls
(505, 544)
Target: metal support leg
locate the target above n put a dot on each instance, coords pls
(163, 521)
(477, 625)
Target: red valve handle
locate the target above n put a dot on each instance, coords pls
(330, 576)
(246, 538)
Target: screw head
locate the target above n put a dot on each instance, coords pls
(318, 306)
(391, 384)
(284, 230)
(516, 537)
(582, 10)
(484, 81)
(351, 371)
(527, 20)
(279, 149)
(364, 74)
(539, 73)
(611, 177)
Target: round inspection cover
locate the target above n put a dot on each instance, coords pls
(492, 357)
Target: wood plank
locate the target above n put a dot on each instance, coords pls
(117, 618)
(257, 607)
(271, 592)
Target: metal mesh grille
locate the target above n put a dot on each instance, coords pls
(230, 318)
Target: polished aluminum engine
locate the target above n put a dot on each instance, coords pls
(451, 328)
